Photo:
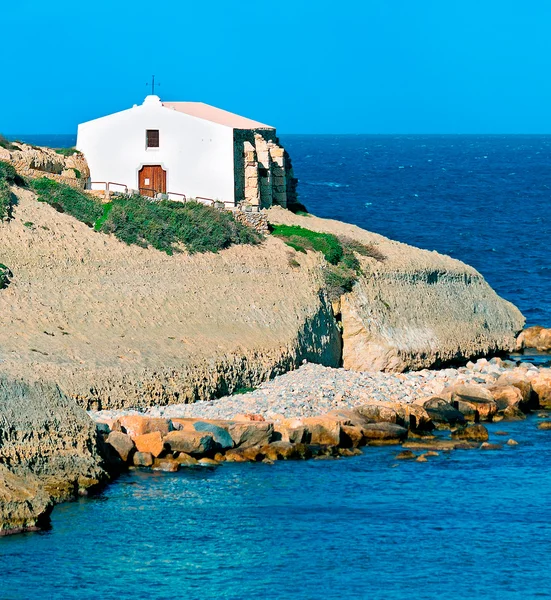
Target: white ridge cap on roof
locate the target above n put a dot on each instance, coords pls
(216, 115)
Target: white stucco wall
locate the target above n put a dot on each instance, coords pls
(196, 154)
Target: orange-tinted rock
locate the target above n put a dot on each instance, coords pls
(166, 464)
(190, 442)
(545, 425)
(246, 434)
(142, 459)
(384, 433)
(286, 451)
(284, 433)
(185, 460)
(248, 417)
(377, 412)
(535, 337)
(122, 444)
(324, 431)
(150, 442)
(135, 425)
(506, 395)
(541, 384)
(472, 400)
(351, 436)
(522, 384)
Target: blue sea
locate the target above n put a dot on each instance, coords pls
(469, 524)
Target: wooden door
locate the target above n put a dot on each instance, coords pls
(152, 180)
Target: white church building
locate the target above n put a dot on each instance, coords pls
(187, 150)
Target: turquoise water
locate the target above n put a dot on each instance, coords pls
(472, 524)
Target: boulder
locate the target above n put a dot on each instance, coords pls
(323, 431)
(351, 436)
(208, 462)
(287, 433)
(439, 444)
(488, 446)
(24, 504)
(406, 455)
(512, 413)
(506, 396)
(523, 384)
(474, 433)
(377, 412)
(150, 442)
(441, 412)
(222, 438)
(185, 460)
(384, 433)
(474, 401)
(545, 425)
(135, 425)
(541, 384)
(122, 443)
(142, 459)
(286, 451)
(168, 465)
(535, 337)
(194, 443)
(241, 455)
(246, 434)
(349, 417)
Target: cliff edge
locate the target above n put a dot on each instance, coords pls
(414, 309)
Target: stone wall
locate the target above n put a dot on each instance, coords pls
(33, 162)
(256, 220)
(263, 170)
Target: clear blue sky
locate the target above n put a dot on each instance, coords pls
(359, 66)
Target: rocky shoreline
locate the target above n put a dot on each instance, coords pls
(319, 412)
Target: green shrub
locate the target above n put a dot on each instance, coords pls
(65, 198)
(66, 151)
(5, 276)
(165, 224)
(5, 143)
(302, 239)
(8, 176)
(137, 220)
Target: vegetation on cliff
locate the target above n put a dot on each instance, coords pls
(343, 267)
(5, 276)
(165, 224)
(8, 176)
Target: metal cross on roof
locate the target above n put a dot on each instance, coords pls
(152, 84)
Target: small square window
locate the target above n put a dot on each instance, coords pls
(263, 172)
(152, 138)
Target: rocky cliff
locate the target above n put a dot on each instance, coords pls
(48, 453)
(415, 308)
(119, 326)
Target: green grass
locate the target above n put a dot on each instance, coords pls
(302, 239)
(164, 225)
(66, 199)
(343, 267)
